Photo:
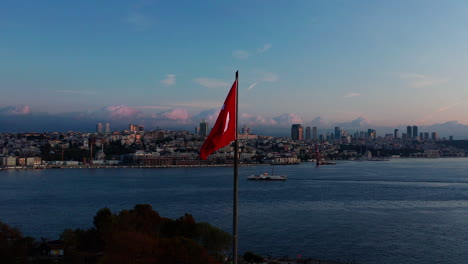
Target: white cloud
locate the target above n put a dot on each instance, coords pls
(251, 86)
(265, 48)
(416, 80)
(170, 79)
(240, 54)
(192, 104)
(211, 83)
(349, 95)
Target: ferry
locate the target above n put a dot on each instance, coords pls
(267, 177)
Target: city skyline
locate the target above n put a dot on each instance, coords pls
(362, 64)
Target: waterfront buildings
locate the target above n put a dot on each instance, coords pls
(297, 132)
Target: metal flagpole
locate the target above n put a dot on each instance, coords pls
(236, 196)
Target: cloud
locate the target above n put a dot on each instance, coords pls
(209, 115)
(15, 110)
(420, 80)
(251, 86)
(193, 104)
(256, 120)
(318, 121)
(265, 48)
(139, 21)
(118, 112)
(178, 114)
(78, 92)
(288, 119)
(442, 109)
(211, 83)
(349, 95)
(170, 79)
(240, 54)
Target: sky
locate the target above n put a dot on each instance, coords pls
(171, 63)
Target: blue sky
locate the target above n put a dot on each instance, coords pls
(389, 63)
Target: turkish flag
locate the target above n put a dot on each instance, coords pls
(224, 130)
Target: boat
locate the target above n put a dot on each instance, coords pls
(267, 177)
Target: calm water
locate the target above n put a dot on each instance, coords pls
(401, 211)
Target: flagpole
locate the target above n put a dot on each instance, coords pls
(236, 196)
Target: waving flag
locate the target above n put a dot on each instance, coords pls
(224, 130)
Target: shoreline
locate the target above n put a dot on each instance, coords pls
(43, 167)
(53, 167)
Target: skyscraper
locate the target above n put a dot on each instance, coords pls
(314, 133)
(297, 132)
(435, 136)
(337, 133)
(426, 135)
(409, 134)
(395, 134)
(108, 128)
(99, 128)
(203, 128)
(415, 132)
(308, 134)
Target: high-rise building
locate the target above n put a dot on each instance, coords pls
(99, 128)
(314, 133)
(308, 134)
(409, 134)
(108, 128)
(297, 132)
(395, 133)
(435, 136)
(337, 133)
(132, 128)
(415, 131)
(203, 128)
(426, 135)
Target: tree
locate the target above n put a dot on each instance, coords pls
(14, 248)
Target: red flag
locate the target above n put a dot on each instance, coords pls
(224, 130)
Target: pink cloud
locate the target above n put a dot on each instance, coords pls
(252, 120)
(120, 111)
(16, 110)
(179, 114)
(288, 119)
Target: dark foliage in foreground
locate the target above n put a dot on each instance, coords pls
(140, 235)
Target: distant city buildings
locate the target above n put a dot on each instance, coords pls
(409, 133)
(108, 130)
(395, 134)
(415, 132)
(99, 128)
(337, 134)
(136, 128)
(297, 132)
(314, 133)
(308, 133)
(203, 128)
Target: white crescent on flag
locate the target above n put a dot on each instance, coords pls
(226, 125)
